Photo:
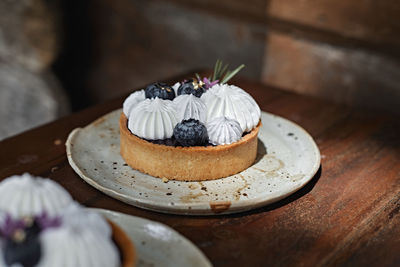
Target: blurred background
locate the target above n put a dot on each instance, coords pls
(60, 56)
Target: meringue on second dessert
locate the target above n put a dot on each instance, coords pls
(42, 235)
(223, 131)
(78, 244)
(26, 195)
(75, 214)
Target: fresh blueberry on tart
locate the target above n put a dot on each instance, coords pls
(160, 90)
(193, 86)
(191, 132)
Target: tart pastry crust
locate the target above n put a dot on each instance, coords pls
(197, 163)
(124, 244)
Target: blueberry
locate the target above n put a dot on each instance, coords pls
(25, 251)
(191, 132)
(193, 87)
(160, 90)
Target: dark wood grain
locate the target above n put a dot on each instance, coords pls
(347, 215)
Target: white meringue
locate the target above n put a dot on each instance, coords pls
(223, 131)
(190, 107)
(153, 119)
(2, 220)
(2, 263)
(176, 87)
(76, 215)
(26, 195)
(132, 100)
(230, 101)
(84, 238)
(77, 245)
(3, 216)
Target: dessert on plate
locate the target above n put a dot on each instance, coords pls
(198, 129)
(41, 226)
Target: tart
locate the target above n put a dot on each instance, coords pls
(196, 130)
(56, 233)
(196, 163)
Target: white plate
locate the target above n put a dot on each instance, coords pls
(157, 244)
(287, 159)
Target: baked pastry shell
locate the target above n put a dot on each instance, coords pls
(124, 244)
(198, 163)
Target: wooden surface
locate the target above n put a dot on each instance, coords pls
(347, 215)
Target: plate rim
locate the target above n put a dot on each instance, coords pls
(196, 209)
(142, 221)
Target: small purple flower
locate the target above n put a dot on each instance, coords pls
(208, 84)
(45, 222)
(10, 226)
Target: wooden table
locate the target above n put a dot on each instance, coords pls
(348, 214)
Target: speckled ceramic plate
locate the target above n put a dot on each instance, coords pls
(156, 244)
(287, 159)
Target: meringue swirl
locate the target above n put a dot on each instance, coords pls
(26, 195)
(76, 215)
(230, 101)
(153, 119)
(77, 245)
(224, 131)
(132, 100)
(190, 107)
(176, 87)
(83, 239)
(2, 263)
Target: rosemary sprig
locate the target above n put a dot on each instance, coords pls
(198, 76)
(216, 69)
(221, 73)
(229, 75)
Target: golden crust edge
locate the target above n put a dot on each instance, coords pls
(248, 142)
(125, 245)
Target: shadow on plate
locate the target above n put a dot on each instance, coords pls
(293, 197)
(261, 151)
